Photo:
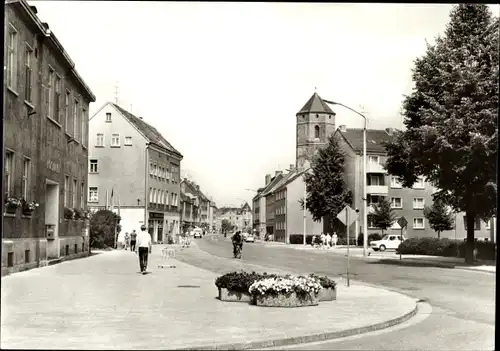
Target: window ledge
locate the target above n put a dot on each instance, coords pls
(93, 173)
(26, 217)
(115, 146)
(418, 208)
(99, 145)
(108, 121)
(13, 91)
(29, 104)
(13, 215)
(419, 228)
(55, 122)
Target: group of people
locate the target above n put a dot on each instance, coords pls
(129, 241)
(325, 241)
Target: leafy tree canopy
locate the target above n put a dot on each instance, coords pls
(327, 193)
(383, 216)
(439, 217)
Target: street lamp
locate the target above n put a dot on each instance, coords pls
(365, 214)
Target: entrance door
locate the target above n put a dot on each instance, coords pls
(160, 231)
(52, 217)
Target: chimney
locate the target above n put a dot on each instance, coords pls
(46, 25)
(343, 128)
(277, 173)
(33, 8)
(389, 131)
(268, 179)
(140, 117)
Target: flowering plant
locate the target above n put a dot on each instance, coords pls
(301, 286)
(68, 213)
(12, 201)
(239, 281)
(29, 207)
(78, 213)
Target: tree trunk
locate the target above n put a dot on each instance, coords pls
(469, 247)
(439, 235)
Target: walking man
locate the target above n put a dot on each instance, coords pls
(133, 238)
(143, 247)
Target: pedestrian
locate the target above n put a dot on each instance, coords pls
(127, 241)
(335, 239)
(328, 241)
(144, 246)
(313, 241)
(323, 240)
(133, 238)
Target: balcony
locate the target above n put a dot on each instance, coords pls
(372, 167)
(377, 189)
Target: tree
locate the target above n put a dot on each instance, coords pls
(439, 217)
(451, 118)
(226, 226)
(383, 216)
(327, 193)
(102, 229)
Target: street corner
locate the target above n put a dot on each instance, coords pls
(358, 309)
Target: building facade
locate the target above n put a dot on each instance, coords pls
(406, 202)
(190, 206)
(46, 105)
(133, 168)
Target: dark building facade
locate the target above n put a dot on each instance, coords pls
(46, 105)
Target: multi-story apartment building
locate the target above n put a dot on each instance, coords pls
(46, 105)
(190, 206)
(130, 159)
(239, 217)
(259, 209)
(406, 202)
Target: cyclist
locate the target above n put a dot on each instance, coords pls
(237, 240)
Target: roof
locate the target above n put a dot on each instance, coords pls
(278, 184)
(150, 132)
(271, 185)
(293, 175)
(316, 105)
(374, 139)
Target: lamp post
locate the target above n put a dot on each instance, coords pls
(365, 214)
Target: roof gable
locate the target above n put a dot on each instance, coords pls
(375, 139)
(150, 132)
(316, 105)
(271, 185)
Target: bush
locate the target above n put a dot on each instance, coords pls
(343, 241)
(240, 281)
(102, 229)
(68, 213)
(446, 248)
(324, 281)
(371, 237)
(297, 239)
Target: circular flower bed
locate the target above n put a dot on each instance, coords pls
(235, 286)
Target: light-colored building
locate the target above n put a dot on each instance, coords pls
(239, 217)
(212, 216)
(130, 160)
(45, 116)
(406, 202)
(190, 206)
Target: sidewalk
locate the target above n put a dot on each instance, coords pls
(102, 302)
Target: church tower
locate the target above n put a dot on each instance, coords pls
(315, 123)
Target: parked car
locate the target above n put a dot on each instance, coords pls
(249, 238)
(197, 233)
(389, 241)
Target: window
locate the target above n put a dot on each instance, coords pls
(115, 140)
(49, 98)
(154, 196)
(128, 140)
(57, 98)
(93, 166)
(395, 183)
(108, 116)
(418, 223)
(26, 177)
(419, 184)
(83, 121)
(375, 180)
(150, 194)
(167, 199)
(75, 185)
(75, 119)
(66, 191)
(373, 160)
(396, 202)
(93, 194)
(316, 132)
(487, 224)
(477, 223)
(9, 171)
(100, 140)
(418, 203)
(12, 58)
(82, 196)
(67, 116)
(28, 73)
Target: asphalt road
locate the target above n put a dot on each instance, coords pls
(463, 302)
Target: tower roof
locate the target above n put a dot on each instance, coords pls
(316, 105)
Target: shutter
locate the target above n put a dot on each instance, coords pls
(45, 100)
(30, 85)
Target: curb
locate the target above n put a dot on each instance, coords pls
(475, 270)
(262, 344)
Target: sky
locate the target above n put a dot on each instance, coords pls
(223, 81)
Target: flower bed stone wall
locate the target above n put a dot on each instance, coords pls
(233, 296)
(285, 300)
(327, 294)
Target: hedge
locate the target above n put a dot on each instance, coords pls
(371, 237)
(486, 250)
(296, 239)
